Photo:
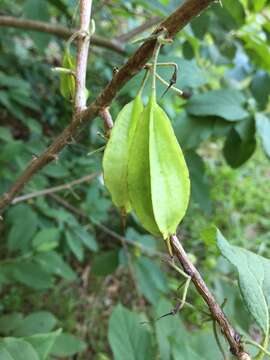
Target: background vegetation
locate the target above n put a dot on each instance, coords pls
(66, 260)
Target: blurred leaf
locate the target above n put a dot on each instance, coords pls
(36, 323)
(43, 343)
(240, 143)
(67, 345)
(24, 224)
(75, 245)
(151, 280)
(260, 87)
(54, 264)
(191, 130)
(17, 349)
(225, 103)
(105, 263)
(128, 339)
(263, 130)
(46, 239)
(31, 274)
(200, 189)
(147, 241)
(9, 322)
(86, 238)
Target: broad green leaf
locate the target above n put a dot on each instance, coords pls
(67, 345)
(260, 87)
(43, 343)
(115, 158)
(75, 245)
(67, 81)
(53, 263)
(105, 263)
(200, 190)
(24, 224)
(86, 238)
(17, 349)
(225, 103)
(158, 179)
(253, 276)
(238, 149)
(35, 323)
(263, 130)
(128, 339)
(46, 239)
(151, 280)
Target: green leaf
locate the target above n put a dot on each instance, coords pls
(105, 263)
(46, 239)
(225, 103)
(9, 322)
(115, 160)
(75, 245)
(253, 276)
(263, 130)
(260, 87)
(240, 143)
(200, 190)
(86, 238)
(128, 339)
(35, 323)
(67, 81)
(53, 263)
(17, 349)
(24, 225)
(31, 274)
(67, 345)
(43, 343)
(151, 280)
(158, 179)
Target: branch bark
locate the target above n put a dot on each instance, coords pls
(218, 315)
(82, 54)
(58, 30)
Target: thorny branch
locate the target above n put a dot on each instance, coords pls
(174, 23)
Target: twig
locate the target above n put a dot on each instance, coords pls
(174, 23)
(218, 315)
(58, 30)
(138, 30)
(108, 121)
(82, 54)
(54, 189)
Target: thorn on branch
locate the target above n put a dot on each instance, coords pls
(108, 122)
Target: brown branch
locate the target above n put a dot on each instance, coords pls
(82, 55)
(58, 30)
(68, 186)
(138, 30)
(218, 315)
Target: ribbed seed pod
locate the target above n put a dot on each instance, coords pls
(115, 160)
(158, 178)
(67, 81)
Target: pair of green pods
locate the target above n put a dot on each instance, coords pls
(144, 167)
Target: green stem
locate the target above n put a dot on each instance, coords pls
(155, 57)
(175, 89)
(263, 350)
(143, 83)
(218, 341)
